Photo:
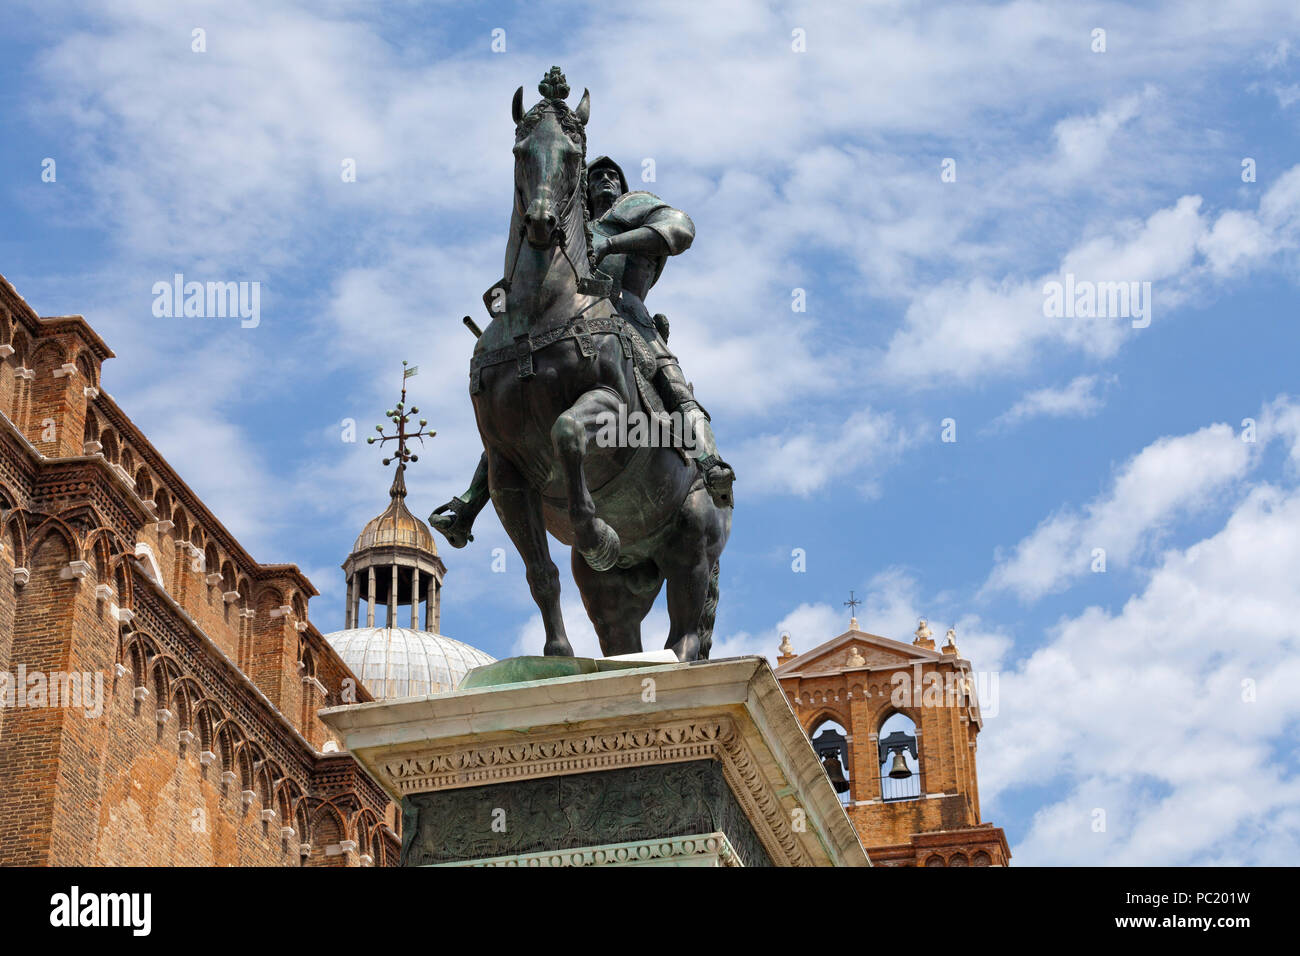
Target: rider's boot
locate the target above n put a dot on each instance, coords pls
(677, 395)
(455, 519)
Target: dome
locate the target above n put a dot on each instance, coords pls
(401, 662)
(396, 526)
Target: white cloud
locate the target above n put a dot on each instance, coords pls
(806, 459)
(1078, 399)
(1144, 714)
(891, 607)
(1170, 477)
(1084, 142)
(968, 331)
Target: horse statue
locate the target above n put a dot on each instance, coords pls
(553, 369)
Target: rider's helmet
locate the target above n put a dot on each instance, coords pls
(606, 163)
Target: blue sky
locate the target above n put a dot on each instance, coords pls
(819, 170)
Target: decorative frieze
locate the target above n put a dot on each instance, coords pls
(706, 849)
(568, 753)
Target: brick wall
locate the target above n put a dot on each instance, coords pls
(119, 588)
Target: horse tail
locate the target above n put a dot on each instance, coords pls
(707, 615)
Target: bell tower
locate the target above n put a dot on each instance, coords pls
(895, 725)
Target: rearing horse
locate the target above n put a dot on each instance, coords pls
(554, 366)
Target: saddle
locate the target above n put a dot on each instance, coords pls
(580, 328)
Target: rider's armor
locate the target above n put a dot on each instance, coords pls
(634, 274)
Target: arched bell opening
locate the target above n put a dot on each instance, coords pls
(899, 759)
(831, 743)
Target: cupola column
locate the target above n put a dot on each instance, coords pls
(370, 600)
(392, 600)
(433, 613)
(415, 599)
(350, 618)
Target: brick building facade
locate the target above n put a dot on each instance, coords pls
(161, 686)
(868, 703)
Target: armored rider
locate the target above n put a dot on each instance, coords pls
(633, 234)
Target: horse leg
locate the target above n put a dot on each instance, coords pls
(617, 601)
(688, 559)
(595, 540)
(519, 507)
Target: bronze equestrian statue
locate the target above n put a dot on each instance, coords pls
(569, 350)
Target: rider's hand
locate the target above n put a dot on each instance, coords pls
(600, 248)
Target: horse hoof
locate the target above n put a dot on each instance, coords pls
(605, 555)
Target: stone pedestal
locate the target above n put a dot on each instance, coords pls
(612, 762)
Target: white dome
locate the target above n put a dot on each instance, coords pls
(400, 662)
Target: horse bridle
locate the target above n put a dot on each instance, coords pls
(602, 286)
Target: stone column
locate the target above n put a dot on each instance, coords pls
(370, 600)
(415, 599)
(430, 605)
(392, 600)
(350, 618)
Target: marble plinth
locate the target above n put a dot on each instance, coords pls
(622, 763)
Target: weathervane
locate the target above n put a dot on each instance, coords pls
(852, 604)
(400, 416)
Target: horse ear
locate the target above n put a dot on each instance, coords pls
(517, 105)
(584, 108)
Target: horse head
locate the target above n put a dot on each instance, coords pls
(550, 149)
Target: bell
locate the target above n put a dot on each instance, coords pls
(899, 770)
(831, 764)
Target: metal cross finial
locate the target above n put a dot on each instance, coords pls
(852, 604)
(400, 416)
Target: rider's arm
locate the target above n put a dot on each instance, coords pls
(656, 230)
(674, 227)
(643, 240)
